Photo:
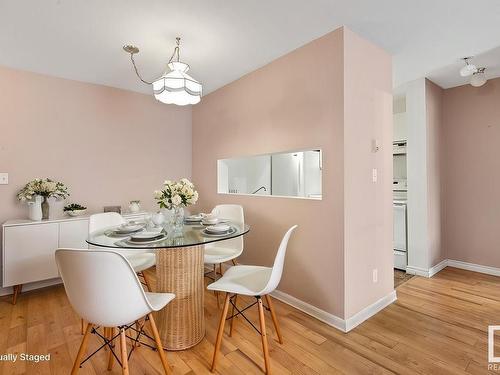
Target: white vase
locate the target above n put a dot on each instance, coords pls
(52, 201)
(35, 209)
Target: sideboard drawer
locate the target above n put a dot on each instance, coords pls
(28, 253)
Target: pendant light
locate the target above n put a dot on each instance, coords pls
(478, 78)
(175, 86)
(469, 69)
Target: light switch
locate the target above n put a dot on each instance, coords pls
(4, 178)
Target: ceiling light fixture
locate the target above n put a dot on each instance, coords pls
(469, 69)
(478, 78)
(175, 86)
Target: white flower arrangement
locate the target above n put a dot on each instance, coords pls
(44, 187)
(176, 194)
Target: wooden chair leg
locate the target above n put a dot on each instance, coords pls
(159, 345)
(220, 332)
(275, 318)
(234, 262)
(146, 281)
(265, 348)
(83, 325)
(123, 351)
(106, 336)
(81, 351)
(16, 292)
(111, 357)
(220, 269)
(231, 327)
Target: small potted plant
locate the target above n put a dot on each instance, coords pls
(75, 209)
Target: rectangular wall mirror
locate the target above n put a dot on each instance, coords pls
(287, 174)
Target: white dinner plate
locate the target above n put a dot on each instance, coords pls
(219, 228)
(128, 228)
(222, 234)
(146, 242)
(144, 236)
(194, 218)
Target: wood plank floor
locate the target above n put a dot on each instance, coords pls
(437, 326)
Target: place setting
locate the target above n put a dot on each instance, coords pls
(218, 230)
(126, 229)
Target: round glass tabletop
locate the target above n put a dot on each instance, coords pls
(192, 235)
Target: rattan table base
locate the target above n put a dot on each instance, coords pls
(179, 270)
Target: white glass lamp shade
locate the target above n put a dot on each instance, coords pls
(478, 79)
(177, 87)
(468, 70)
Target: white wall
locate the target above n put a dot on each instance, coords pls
(417, 175)
(285, 174)
(245, 175)
(423, 115)
(312, 173)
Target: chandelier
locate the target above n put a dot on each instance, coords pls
(478, 77)
(175, 86)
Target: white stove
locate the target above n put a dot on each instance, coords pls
(400, 238)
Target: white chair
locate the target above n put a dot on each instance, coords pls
(140, 260)
(228, 250)
(254, 281)
(103, 288)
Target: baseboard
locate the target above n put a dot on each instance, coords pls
(427, 272)
(314, 311)
(417, 271)
(31, 286)
(369, 311)
(474, 267)
(438, 267)
(453, 263)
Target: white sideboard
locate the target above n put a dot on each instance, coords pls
(28, 247)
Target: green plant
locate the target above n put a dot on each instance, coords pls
(74, 207)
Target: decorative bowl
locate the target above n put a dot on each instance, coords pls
(76, 212)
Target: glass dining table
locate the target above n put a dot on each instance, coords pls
(179, 270)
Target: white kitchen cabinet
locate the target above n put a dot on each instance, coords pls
(28, 253)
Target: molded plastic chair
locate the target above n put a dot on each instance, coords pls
(140, 260)
(228, 250)
(224, 251)
(103, 288)
(255, 281)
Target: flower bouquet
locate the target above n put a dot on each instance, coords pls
(45, 188)
(174, 196)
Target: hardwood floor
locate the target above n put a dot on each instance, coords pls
(400, 277)
(437, 326)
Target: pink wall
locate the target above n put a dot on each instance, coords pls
(295, 102)
(108, 145)
(471, 151)
(367, 206)
(434, 120)
(299, 101)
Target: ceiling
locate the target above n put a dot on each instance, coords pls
(223, 40)
(449, 76)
